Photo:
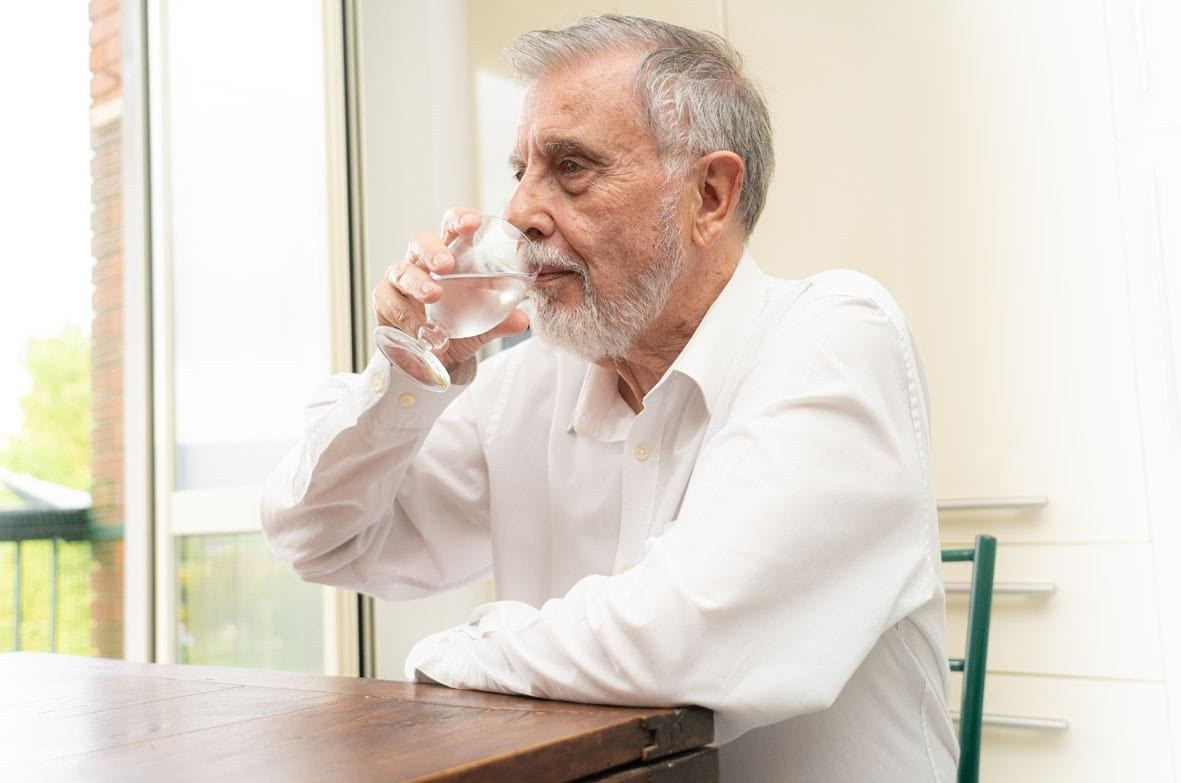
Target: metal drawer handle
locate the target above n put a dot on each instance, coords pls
(1013, 722)
(985, 504)
(1007, 588)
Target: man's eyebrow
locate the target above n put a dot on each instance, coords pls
(556, 149)
(559, 147)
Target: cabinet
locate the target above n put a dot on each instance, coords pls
(1012, 172)
(1077, 610)
(1115, 730)
(1146, 92)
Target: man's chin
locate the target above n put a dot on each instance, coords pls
(562, 296)
(582, 344)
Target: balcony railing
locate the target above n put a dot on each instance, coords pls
(46, 558)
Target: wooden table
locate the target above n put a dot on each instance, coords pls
(89, 719)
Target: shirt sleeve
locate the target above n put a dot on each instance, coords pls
(386, 492)
(805, 533)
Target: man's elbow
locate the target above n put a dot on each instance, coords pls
(287, 527)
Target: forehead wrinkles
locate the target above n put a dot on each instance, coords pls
(598, 94)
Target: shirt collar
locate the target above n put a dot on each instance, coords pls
(722, 332)
(601, 412)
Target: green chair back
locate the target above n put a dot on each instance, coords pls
(983, 559)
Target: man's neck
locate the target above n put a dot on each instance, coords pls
(662, 342)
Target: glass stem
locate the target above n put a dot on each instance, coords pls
(433, 334)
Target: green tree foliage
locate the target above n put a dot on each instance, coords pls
(54, 441)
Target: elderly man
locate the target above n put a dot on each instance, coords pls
(701, 485)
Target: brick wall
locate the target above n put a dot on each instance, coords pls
(106, 357)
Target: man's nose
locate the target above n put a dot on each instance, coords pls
(528, 209)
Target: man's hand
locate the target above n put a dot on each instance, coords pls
(399, 299)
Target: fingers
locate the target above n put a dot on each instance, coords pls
(459, 221)
(433, 254)
(407, 286)
(413, 281)
(400, 298)
(392, 308)
(411, 275)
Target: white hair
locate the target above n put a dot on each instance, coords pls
(691, 90)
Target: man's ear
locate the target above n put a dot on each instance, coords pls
(718, 179)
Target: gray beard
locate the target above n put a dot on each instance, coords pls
(606, 328)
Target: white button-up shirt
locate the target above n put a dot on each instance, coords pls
(760, 539)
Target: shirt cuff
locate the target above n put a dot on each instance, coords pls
(391, 401)
(460, 657)
(442, 659)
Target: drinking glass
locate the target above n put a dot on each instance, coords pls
(492, 274)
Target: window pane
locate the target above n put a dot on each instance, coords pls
(46, 596)
(247, 196)
(240, 606)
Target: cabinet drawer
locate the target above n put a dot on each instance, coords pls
(1145, 64)
(1100, 621)
(1115, 731)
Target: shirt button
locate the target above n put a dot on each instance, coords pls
(642, 451)
(377, 383)
(406, 400)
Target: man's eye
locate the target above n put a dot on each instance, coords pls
(518, 174)
(569, 166)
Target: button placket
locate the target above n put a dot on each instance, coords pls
(638, 483)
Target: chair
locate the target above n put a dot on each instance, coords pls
(983, 559)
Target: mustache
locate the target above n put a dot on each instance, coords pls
(540, 257)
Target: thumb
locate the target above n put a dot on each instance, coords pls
(460, 350)
(516, 323)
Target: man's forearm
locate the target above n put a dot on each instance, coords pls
(343, 505)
